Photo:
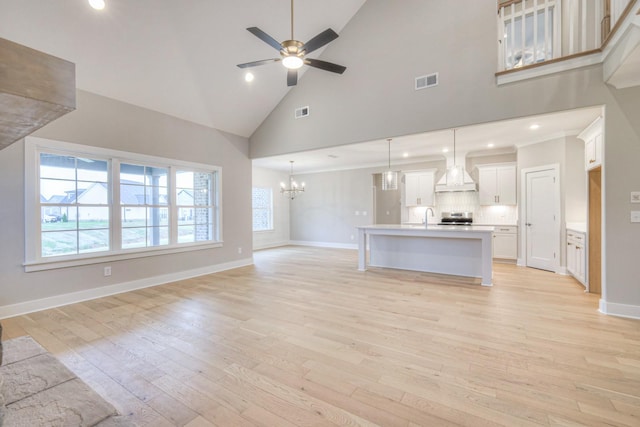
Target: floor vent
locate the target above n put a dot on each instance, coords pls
(302, 112)
(424, 82)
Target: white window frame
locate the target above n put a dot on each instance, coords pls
(34, 261)
(510, 13)
(271, 226)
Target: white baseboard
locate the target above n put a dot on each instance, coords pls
(324, 244)
(26, 307)
(271, 245)
(521, 263)
(620, 310)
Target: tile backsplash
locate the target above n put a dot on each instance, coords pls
(464, 201)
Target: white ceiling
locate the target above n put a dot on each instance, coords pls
(506, 136)
(177, 57)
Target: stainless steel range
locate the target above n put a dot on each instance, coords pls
(456, 218)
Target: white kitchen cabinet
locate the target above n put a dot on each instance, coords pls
(505, 242)
(418, 188)
(497, 184)
(592, 137)
(577, 255)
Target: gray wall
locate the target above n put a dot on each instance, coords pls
(374, 99)
(103, 122)
(280, 234)
(575, 178)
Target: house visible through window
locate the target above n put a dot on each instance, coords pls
(262, 200)
(144, 205)
(91, 202)
(74, 205)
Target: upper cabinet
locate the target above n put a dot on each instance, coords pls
(418, 188)
(497, 184)
(35, 89)
(592, 137)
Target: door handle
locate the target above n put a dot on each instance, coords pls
(528, 224)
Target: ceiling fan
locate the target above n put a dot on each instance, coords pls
(293, 52)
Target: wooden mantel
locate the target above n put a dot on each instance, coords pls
(35, 89)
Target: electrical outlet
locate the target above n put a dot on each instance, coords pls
(107, 271)
(635, 216)
(635, 197)
(239, 250)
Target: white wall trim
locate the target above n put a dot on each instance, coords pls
(103, 291)
(325, 244)
(271, 245)
(620, 310)
(550, 68)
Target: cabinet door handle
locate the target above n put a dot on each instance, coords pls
(528, 224)
(592, 161)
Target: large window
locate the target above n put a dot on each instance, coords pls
(74, 205)
(262, 199)
(88, 203)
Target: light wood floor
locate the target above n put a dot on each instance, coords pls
(315, 342)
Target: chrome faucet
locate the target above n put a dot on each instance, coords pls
(426, 216)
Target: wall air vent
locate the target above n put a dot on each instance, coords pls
(302, 112)
(424, 82)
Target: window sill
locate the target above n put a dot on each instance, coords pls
(52, 264)
(271, 230)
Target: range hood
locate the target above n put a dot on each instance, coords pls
(467, 183)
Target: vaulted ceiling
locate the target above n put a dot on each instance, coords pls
(176, 57)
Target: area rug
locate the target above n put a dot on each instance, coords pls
(39, 390)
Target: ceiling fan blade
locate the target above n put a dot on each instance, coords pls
(325, 37)
(256, 63)
(292, 77)
(324, 65)
(265, 37)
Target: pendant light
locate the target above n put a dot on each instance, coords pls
(293, 190)
(455, 173)
(389, 178)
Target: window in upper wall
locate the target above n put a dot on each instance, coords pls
(86, 203)
(529, 34)
(262, 200)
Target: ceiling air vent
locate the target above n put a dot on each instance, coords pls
(302, 112)
(424, 82)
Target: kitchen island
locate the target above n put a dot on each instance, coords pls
(450, 249)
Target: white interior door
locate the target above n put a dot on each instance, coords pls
(540, 219)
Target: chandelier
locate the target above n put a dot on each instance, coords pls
(389, 178)
(455, 173)
(293, 189)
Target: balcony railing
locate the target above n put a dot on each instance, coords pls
(532, 32)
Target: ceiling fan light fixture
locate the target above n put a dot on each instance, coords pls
(292, 62)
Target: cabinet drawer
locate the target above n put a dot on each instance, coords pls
(576, 237)
(507, 229)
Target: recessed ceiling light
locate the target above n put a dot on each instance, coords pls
(534, 126)
(490, 145)
(97, 4)
(445, 150)
(405, 154)
(248, 77)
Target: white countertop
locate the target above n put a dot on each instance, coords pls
(580, 227)
(429, 227)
